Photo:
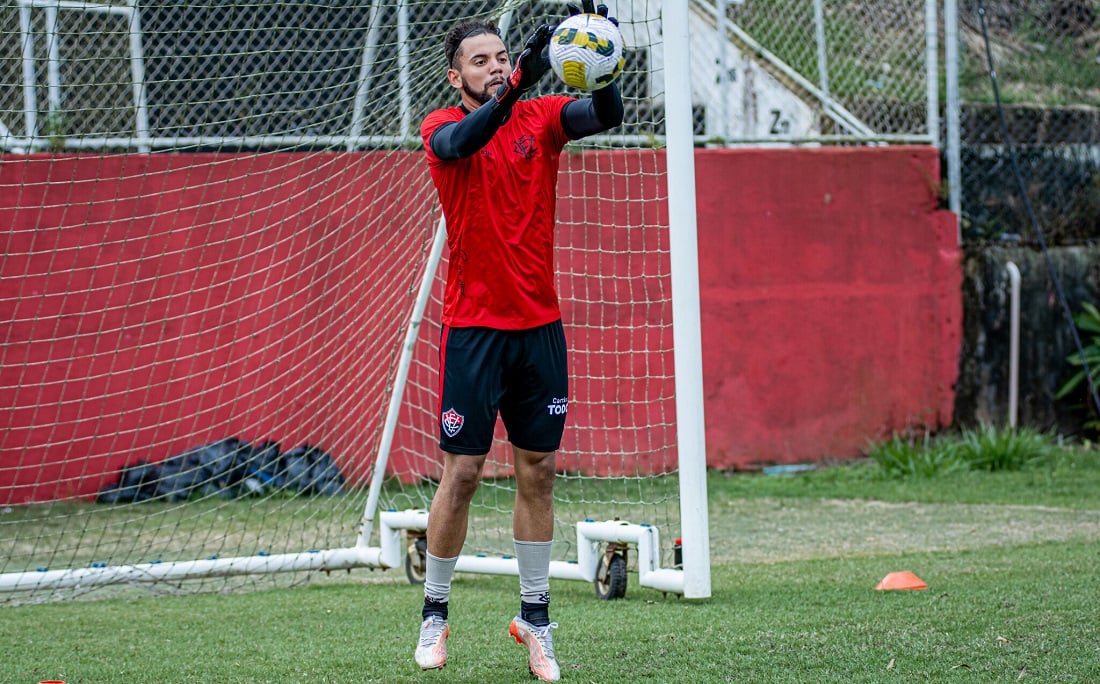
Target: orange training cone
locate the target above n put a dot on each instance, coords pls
(900, 580)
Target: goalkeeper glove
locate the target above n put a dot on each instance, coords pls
(530, 66)
(589, 7)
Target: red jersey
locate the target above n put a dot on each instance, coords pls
(499, 204)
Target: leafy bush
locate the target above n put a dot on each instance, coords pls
(909, 456)
(990, 448)
(1087, 322)
(986, 448)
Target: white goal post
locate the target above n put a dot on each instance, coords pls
(272, 287)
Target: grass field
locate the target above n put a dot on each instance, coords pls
(1010, 559)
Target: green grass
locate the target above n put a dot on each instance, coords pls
(1069, 479)
(1021, 613)
(1009, 557)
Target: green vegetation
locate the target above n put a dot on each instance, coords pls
(1069, 478)
(984, 448)
(1088, 323)
(1045, 53)
(1038, 59)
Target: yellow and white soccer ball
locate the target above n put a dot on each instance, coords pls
(586, 51)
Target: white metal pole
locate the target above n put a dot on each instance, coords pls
(403, 81)
(686, 335)
(53, 68)
(364, 81)
(1013, 342)
(931, 47)
(137, 75)
(822, 54)
(505, 23)
(30, 86)
(954, 126)
(723, 70)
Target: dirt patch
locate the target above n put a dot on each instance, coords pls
(771, 530)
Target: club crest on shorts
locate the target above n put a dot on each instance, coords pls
(452, 422)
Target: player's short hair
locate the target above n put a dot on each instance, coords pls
(460, 32)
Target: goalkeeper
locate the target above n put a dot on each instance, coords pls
(494, 161)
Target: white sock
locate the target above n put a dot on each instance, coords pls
(437, 578)
(534, 570)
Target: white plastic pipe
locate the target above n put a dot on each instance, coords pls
(1013, 342)
(647, 540)
(590, 535)
(404, 98)
(496, 565)
(331, 559)
(392, 527)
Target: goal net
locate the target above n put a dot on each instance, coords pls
(220, 363)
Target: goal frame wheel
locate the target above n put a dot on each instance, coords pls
(416, 558)
(610, 579)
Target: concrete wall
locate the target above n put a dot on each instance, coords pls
(830, 280)
(831, 307)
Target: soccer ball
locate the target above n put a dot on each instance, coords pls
(586, 51)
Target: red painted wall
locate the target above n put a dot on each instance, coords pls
(154, 303)
(830, 290)
(831, 300)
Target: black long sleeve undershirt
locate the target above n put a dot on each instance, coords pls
(459, 139)
(601, 112)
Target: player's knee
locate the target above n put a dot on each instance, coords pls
(535, 470)
(462, 476)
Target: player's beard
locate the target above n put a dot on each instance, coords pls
(482, 97)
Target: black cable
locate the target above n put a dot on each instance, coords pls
(1031, 212)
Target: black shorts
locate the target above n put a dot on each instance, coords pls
(520, 374)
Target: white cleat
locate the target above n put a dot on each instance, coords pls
(540, 648)
(431, 650)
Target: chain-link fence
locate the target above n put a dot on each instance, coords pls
(1046, 58)
(202, 74)
(205, 74)
(862, 69)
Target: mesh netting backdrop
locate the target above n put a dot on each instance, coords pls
(210, 276)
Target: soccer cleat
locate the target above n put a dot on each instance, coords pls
(540, 648)
(431, 650)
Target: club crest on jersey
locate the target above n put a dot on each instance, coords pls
(452, 422)
(525, 146)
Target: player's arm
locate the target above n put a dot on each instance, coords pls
(461, 139)
(602, 111)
